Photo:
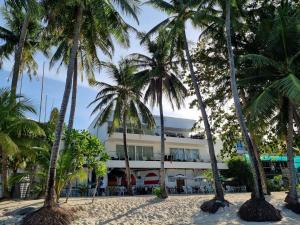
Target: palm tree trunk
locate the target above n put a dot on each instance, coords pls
(69, 191)
(260, 167)
(257, 155)
(74, 96)
(50, 191)
(258, 192)
(18, 55)
(297, 119)
(292, 197)
(4, 175)
(96, 187)
(162, 175)
(128, 174)
(219, 193)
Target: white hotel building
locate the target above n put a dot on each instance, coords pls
(186, 155)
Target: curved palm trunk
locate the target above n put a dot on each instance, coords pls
(258, 191)
(219, 193)
(74, 96)
(18, 55)
(128, 174)
(96, 187)
(162, 175)
(50, 191)
(292, 197)
(4, 174)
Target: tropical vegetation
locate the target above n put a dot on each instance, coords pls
(244, 76)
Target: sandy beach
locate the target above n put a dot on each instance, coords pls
(181, 209)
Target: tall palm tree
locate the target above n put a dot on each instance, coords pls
(160, 79)
(264, 211)
(22, 36)
(87, 59)
(180, 11)
(58, 13)
(122, 101)
(13, 126)
(279, 81)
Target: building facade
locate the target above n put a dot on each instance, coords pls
(186, 154)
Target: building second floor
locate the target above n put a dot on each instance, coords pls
(184, 147)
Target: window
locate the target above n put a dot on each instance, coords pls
(171, 179)
(177, 154)
(121, 153)
(144, 152)
(181, 154)
(135, 152)
(191, 154)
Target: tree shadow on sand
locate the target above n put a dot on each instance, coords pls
(148, 202)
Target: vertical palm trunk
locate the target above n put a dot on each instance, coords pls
(96, 187)
(18, 55)
(74, 96)
(258, 192)
(292, 197)
(69, 191)
(219, 193)
(162, 175)
(4, 174)
(50, 191)
(128, 174)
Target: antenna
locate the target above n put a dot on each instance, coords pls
(42, 90)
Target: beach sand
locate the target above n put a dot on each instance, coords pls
(148, 210)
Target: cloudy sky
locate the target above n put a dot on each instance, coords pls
(54, 80)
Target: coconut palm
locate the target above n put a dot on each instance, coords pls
(87, 59)
(275, 73)
(160, 79)
(58, 12)
(264, 211)
(13, 126)
(21, 36)
(180, 11)
(122, 102)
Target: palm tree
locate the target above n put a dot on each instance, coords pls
(250, 210)
(21, 37)
(102, 11)
(180, 11)
(123, 102)
(278, 83)
(160, 79)
(87, 58)
(13, 126)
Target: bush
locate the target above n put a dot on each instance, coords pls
(157, 192)
(276, 184)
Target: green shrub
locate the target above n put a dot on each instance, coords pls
(156, 191)
(276, 184)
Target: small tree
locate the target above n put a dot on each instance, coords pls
(100, 171)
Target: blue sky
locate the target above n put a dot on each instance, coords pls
(54, 81)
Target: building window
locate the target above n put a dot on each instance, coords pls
(171, 179)
(135, 152)
(191, 154)
(144, 153)
(181, 154)
(121, 154)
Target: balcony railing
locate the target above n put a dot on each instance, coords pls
(154, 157)
(167, 134)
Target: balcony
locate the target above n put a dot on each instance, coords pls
(156, 138)
(154, 157)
